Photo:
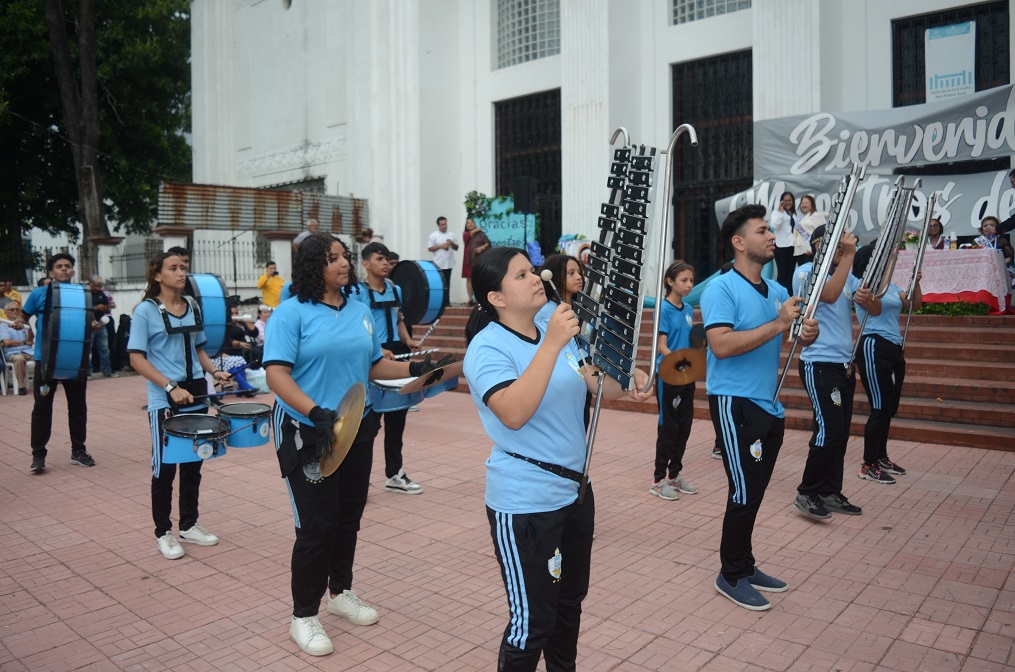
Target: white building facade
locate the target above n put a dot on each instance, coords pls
(396, 101)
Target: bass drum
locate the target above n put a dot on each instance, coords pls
(66, 333)
(210, 293)
(422, 285)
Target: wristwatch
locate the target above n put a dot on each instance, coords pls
(170, 386)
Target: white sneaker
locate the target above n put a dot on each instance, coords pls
(401, 483)
(663, 490)
(352, 609)
(681, 484)
(170, 547)
(198, 535)
(310, 636)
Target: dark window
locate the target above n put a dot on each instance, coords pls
(908, 60)
(528, 157)
(714, 96)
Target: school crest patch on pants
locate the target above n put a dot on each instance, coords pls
(553, 565)
(836, 397)
(756, 450)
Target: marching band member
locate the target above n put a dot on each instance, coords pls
(676, 402)
(830, 384)
(61, 269)
(166, 347)
(745, 317)
(317, 346)
(882, 371)
(529, 385)
(384, 300)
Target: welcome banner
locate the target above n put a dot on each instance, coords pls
(977, 126)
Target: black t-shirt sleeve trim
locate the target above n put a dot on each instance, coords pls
(717, 325)
(277, 362)
(377, 360)
(143, 352)
(496, 388)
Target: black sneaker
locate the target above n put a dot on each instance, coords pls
(870, 472)
(82, 458)
(716, 453)
(811, 507)
(839, 504)
(38, 464)
(890, 467)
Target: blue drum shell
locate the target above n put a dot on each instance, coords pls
(183, 433)
(249, 424)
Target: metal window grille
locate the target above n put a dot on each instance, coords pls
(685, 11)
(527, 30)
(993, 67)
(715, 96)
(528, 146)
(131, 263)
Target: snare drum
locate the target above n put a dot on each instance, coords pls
(249, 424)
(66, 332)
(210, 293)
(385, 397)
(443, 386)
(422, 285)
(192, 437)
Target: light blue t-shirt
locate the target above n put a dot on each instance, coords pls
(35, 305)
(676, 324)
(555, 433)
(835, 322)
(329, 349)
(543, 316)
(163, 350)
(369, 298)
(886, 324)
(9, 334)
(731, 300)
(286, 292)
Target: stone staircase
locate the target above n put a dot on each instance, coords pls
(959, 388)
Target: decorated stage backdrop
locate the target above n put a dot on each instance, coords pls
(505, 227)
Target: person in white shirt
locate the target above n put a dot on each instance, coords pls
(783, 223)
(442, 244)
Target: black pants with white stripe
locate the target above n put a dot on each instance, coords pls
(676, 413)
(394, 423)
(831, 388)
(545, 559)
(882, 372)
(327, 512)
(750, 440)
(162, 480)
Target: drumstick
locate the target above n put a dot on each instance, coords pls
(547, 276)
(206, 396)
(428, 332)
(420, 353)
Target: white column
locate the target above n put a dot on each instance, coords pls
(104, 263)
(585, 132)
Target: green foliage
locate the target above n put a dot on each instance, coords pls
(954, 309)
(476, 204)
(144, 82)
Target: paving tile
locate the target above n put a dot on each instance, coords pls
(922, 581)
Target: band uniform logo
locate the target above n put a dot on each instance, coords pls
(553, 565)
(368, 322)
(836, 397)
(676, 401)
(756, 450)
(690, 323)
(575, 364)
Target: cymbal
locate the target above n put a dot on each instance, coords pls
(437, 375)
(698, 340)
(682, 367)
(350, 413)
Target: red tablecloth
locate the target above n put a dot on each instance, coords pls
(959, 275)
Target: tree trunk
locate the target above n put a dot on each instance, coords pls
(81, 112)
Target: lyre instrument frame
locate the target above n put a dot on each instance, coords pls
(823, 258)
(918, 262)
(599, 338)
(877, 277)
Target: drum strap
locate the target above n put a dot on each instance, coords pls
(556, 469)
(386, 306)
(183, 328)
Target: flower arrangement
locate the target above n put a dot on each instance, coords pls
(910, 237)
(476, 204)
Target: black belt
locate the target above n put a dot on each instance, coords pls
(555, 469)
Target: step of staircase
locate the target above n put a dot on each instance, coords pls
(958, 388)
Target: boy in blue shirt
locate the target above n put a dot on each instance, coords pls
(830, 384)
(384, 300)
(745, 317)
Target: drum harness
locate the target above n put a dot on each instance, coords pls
(386, 306)
(185, 330)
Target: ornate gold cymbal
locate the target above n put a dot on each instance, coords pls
(682, 367)
(437, 375)
(350, 413)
